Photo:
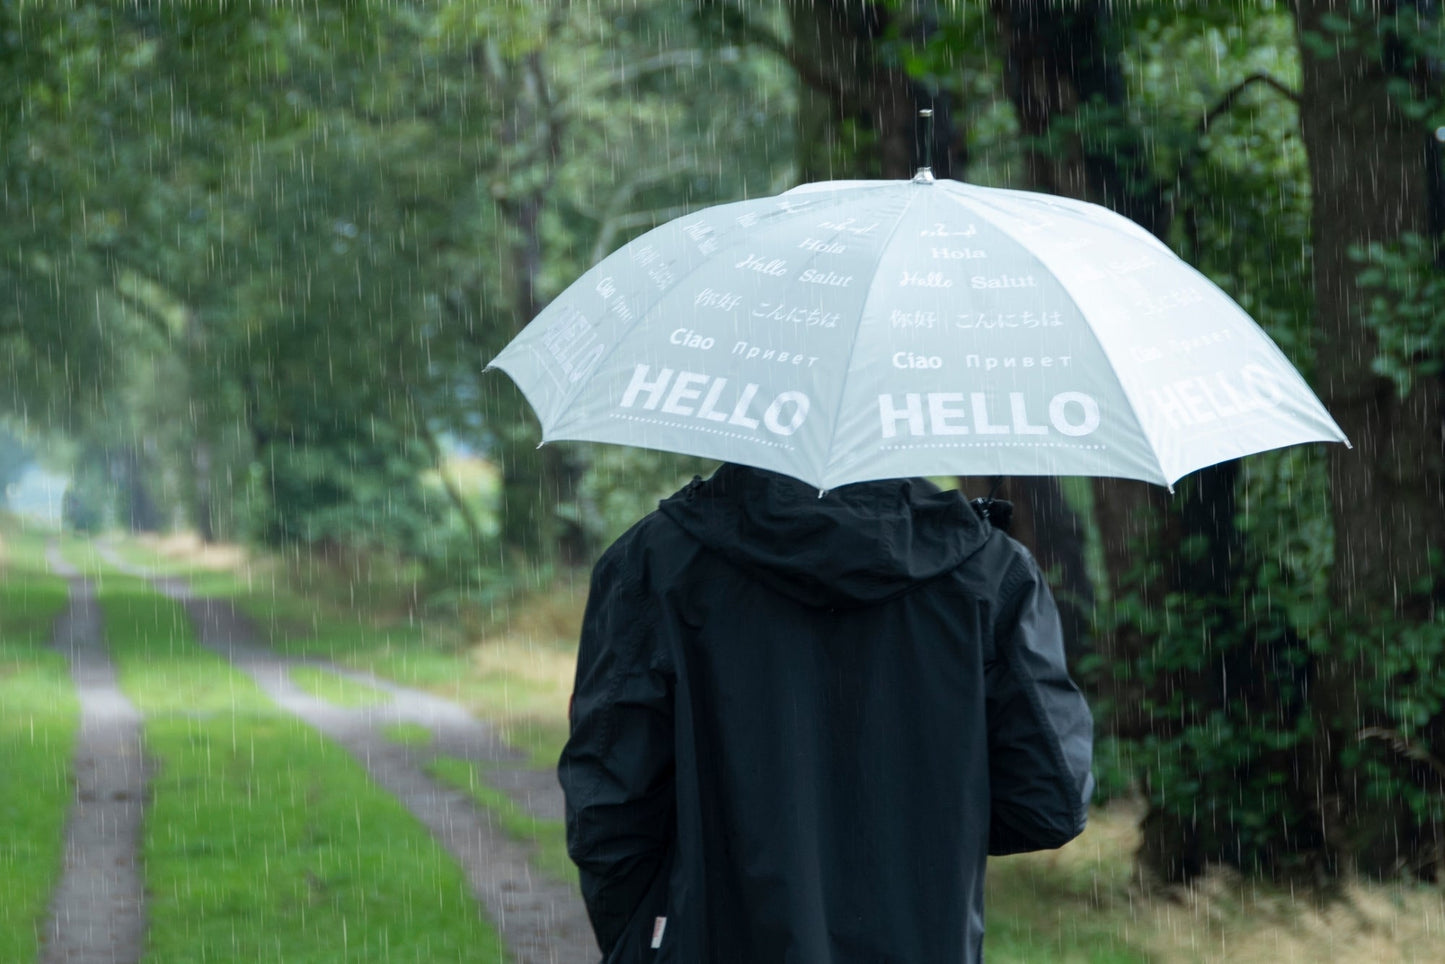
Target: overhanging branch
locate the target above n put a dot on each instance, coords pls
(1227, 101)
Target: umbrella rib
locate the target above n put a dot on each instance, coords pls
(975, 205)
(737, 239)
(1080, 259)
(566, 404)
(858, 329)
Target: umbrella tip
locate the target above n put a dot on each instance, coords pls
(925, 147)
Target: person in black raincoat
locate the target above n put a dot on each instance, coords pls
(802, 722)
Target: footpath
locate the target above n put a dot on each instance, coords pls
(98, 912)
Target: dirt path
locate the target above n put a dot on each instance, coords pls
(540, 920)
(97, 913)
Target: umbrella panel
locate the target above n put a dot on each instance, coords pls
(878, 329)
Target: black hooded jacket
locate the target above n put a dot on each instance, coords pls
(800, 724)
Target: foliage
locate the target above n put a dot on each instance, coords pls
(1407, 39)
(15, 458)
(333, 482)
(1405, 282)
(1227, 678)
(1401, 744)
(87, 505)
(253, 261)
(626, 484)
(1224, 673)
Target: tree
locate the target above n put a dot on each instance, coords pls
(858, 104)
(55, 354)
(15, 458)
(1373, 172)
(318, 226)
(1210, 614)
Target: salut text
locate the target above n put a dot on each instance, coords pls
(983, 282)
(695, 395)
(978, 413)
(830, 278)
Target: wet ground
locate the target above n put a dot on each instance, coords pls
(98, 913)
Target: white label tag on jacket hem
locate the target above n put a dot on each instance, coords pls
(658, 926)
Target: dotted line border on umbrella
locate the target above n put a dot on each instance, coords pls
(689, 427)
(979, 445)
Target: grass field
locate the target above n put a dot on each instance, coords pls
(1079, 904)
(263, 841)
(335, 689)
(39, 718)
(511, 666)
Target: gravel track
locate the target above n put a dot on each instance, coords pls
(541, 921)
(97, 913)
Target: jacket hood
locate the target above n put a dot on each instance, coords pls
(853, 546)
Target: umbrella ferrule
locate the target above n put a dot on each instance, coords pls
(925, 147)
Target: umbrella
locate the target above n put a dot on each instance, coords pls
(853, 330)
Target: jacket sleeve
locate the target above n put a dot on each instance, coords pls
(616, 770)
(1040, 729)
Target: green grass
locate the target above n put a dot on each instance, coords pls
(1038, 909)
(335, 689)
(141, 556)
(39, 718)
(1079, 904)
(408, 734)
(263, 841)
(547, 837)
(518, 682)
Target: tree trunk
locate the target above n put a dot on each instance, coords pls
(1370, 183)
(138, 509)
(202, 507)
(202, 495)
(1059, 57)
(857, 110)
(540, 488)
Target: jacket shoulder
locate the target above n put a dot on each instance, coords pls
(1002, 566)
(636, 552)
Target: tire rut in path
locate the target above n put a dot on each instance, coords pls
(540, 920)
(97, 913)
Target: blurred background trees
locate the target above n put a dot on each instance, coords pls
(253, 261)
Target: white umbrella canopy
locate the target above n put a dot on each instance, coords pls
(855, 330)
